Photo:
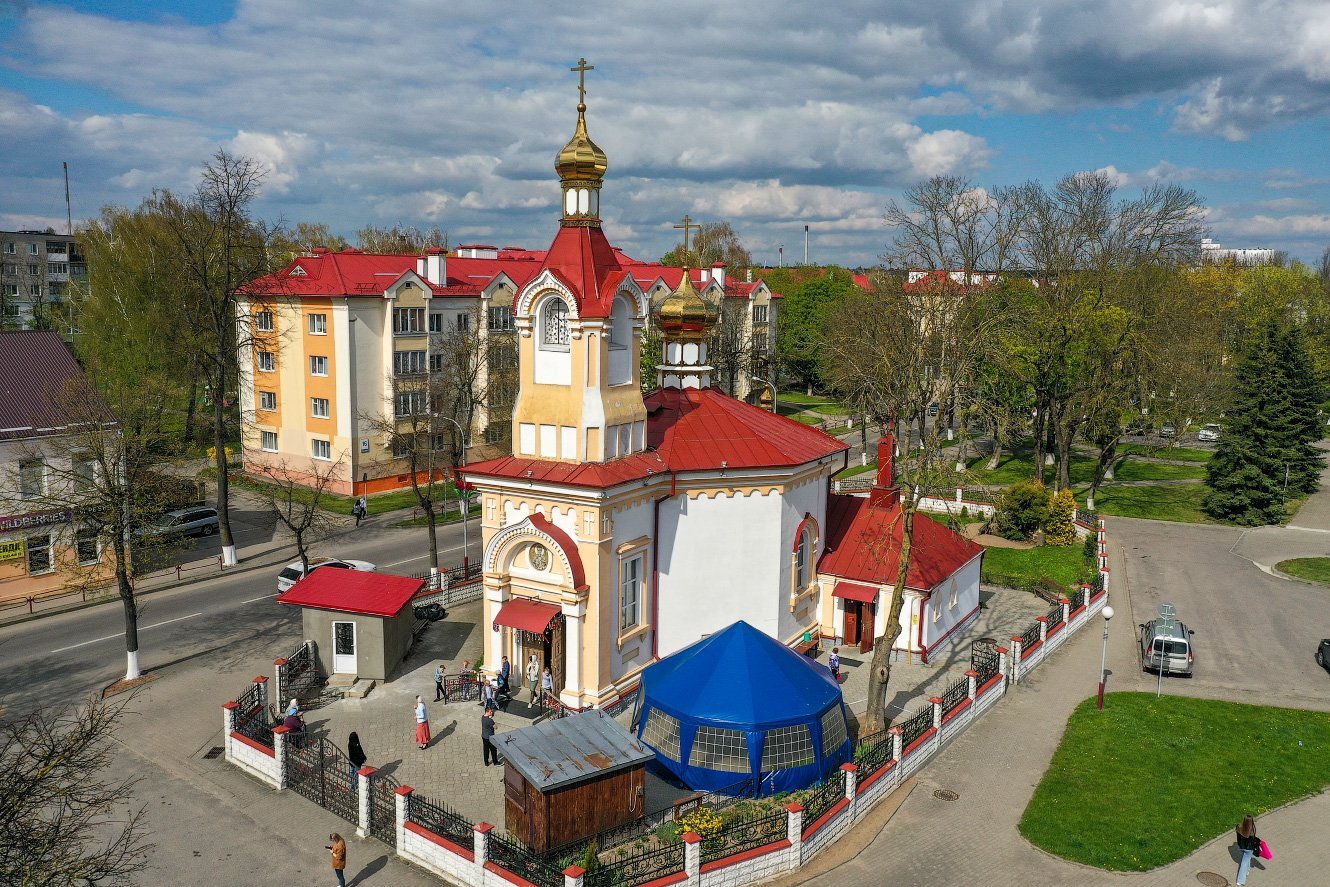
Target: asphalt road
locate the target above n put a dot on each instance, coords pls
(62, 658)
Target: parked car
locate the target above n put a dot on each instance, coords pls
(1169, 649)
(1167, 430)
(197, 521)
(295, 571)
(1323, 654)
(1209, 432)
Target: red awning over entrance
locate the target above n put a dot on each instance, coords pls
(526, 615)
(853, 591)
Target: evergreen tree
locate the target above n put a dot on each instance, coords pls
(1304, 458)
(1245, 475)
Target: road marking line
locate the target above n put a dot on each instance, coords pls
(261, 598)
(122, 634)
(418, 557)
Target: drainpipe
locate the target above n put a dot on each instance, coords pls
(655, 566)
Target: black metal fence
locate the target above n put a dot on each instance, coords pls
(873, 753)
(1086, 518)
(302, 678)
(1054, 616)
(251, 718)
(317, 770)
(824, 797)
(1077, 598)
(383, 808)
(1098, 584)
(461, 687)
(746, 834)
(442, 821)
(1029, 638)
(630, 868)
(915, 726)
(953, 696)
(448, 587)
(507, 853)
(984, 659)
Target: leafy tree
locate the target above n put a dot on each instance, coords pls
(713, 242)
(295, 497)
(1022, 509)
(1060, 525)
(63, 822)
(302, 239)
(812, 297)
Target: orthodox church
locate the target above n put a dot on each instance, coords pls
(625, 527)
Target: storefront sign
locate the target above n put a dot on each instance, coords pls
(12, 551)
(33, 520)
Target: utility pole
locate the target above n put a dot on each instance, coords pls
(69, 215)
(805, 244)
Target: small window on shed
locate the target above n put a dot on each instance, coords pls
(662, 733)
(787, 747)
(716, 748)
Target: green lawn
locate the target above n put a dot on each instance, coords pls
(1023, 567)
(1139, 469)
(1146, 781)
(1313, 569)
(1019, 466)
(1176, 503)
(857, 469)
(800, 398)
(378, 502)
(1178, 454)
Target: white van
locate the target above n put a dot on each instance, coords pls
(1167, 649)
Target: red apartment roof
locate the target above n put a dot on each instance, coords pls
(691, 429)
(353, 591)
(40, 383)
(863, 542)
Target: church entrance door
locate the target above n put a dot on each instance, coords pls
(852, 622)
(554, 652)
(866, 628)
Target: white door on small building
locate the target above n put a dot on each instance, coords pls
(344, 648)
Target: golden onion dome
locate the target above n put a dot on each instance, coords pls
(581, 158)
(684, 313)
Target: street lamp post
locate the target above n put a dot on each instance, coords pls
(1103, 659)
(466, 509)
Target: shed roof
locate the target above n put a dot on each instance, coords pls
(572, 749)
(353, 591)
(41, 384)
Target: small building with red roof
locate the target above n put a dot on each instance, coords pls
(362, 620)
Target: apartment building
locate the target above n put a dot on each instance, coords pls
(36, 271)
(338, 349)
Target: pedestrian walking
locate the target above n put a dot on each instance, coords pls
(546, 684)
(361, 509)
(1248, 844)
(439, 692)
(505, 671)
(422, 723)
(338, 848)
(487, 694)
(833, 663)
(355, 754)
(487, 737)
(533, 677)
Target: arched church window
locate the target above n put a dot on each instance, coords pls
(803, 559)
(554, 324)
(621, 324)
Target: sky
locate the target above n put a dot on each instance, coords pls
(769, 115)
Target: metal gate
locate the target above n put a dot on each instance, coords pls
(317, 770)
(383, 808)
(301, 678)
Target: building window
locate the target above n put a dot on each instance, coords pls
(462, 323)
(11, 289)
(57, 267)
(32, 479)
(662, 733)
(267, 362)
(937, 612)
(497, 432)
(955, 594)
(263, 321)
(435, 322)
(501, 319)
(88, 548)
(630, 591)
(786, 747)
(411, 403)
(318, 366)
(39, 555)
(85, 472)
(408, 320)
(267, 400)
(759, 314)
(9, 247)
(716, 748)
(436, 363)
(408, 363)
(322, 449)
(10, 268)
(401, 446)
(35, 289)
(32, 249)
(803, 559)
(833, 730)
(318, 324)
(269, 441)
(318, 407)
(554, 325)
(55, 246)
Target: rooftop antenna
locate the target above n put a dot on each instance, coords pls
(69, 216)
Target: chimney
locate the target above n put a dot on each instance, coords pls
(420, 265)
(718, 273)
(884, 493)
(436, 266)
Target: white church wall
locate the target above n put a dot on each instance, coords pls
(951, 617)
(807, 498)
(720, 561)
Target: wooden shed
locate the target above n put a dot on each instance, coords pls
(568, 779)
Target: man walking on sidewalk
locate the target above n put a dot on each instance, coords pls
(487, 737)
(360, 509)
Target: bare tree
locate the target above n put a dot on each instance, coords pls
(62, 820)
(296, 497)
(714, 242)
(730, 346)
(947, 223)
(400, 239)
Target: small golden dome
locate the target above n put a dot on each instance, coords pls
(581, 158)
(684, 313)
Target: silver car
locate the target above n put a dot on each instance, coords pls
(1209, 432)
(197, 521)
(1167, 649)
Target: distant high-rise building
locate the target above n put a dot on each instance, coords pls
(36, 271)
(1213, 253)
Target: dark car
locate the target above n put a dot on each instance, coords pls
(1323, 654)
(184, 522)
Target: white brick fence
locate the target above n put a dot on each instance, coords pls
(747, 852)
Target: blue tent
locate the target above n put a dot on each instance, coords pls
(740, 705)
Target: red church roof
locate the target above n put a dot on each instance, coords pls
(584, 260)
(691, 429)
(353, 591)
(863, 543)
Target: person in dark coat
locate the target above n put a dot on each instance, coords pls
(487, 737)
(295, 728)
(354, 753)
(505, 672)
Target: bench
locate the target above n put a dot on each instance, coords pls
(808, 648)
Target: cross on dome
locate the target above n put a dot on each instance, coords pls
(581, 165)
(686, 226)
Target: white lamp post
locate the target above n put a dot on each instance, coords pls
(466, 509)
(1103, 658)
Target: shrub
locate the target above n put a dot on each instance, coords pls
(1059, 526)
(1091, 547)
(590, 860)
(1021, 510)
(704, 821)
